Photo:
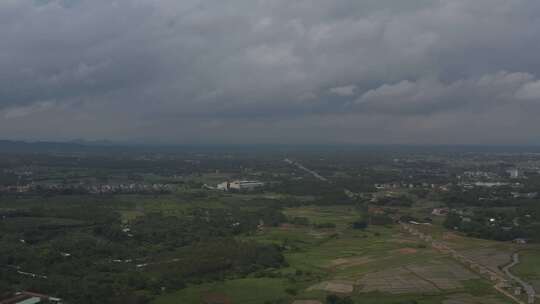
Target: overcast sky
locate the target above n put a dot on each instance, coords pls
(275, 71)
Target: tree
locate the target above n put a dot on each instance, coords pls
(332, 299)
(360, 224)
(452, 221)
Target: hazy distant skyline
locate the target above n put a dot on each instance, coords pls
(276, 71)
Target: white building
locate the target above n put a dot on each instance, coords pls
(245, 185)
(514, 173)
(239, 185)
(223, 186)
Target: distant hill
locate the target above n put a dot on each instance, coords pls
(106, 147)
(11, 146)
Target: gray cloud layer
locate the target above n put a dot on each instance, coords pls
(372, 71)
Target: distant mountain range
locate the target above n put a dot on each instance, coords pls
(105, 146)
(11, 146)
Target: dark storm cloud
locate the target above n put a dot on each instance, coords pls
(245, 70)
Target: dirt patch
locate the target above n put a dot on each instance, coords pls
(469, 299)
(216, 298)
(286, 226)
(334, 286)
(402, 239)
(318, 235)
(342, 263)
(450, 236)
(407, 251)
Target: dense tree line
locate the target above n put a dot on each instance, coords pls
(84, 253)
(495, 225)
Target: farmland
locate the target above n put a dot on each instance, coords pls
(529, 268)
(375, 265)
(155, 228)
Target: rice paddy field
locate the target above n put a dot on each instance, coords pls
(529, 266)
(381, 264)
(249, 291)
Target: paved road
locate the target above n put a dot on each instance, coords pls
(531, 293)
(349, 193)
(300, 166)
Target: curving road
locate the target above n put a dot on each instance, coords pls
(531, 293)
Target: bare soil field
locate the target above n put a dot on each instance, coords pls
(451, 236)
(444, 276)
(402, 238)
(405, 241)
(319, 235)
(396, 281)
(407, 251)
(492, 258)
(287, 226)
(469, 299)
(417, 278)
(216, 298)
(343, 263)
(335, 286)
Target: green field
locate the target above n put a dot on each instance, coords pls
(318, 260)
(529, 266)
(341, 253)
(248, 291)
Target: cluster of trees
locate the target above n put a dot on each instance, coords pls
(401, 201)
(212, 260)
(513, 217)
(529, 220)
(495, 225)
(199, 224)
(481, 197)
(335, 299)
(360, 223)
(381, 219)
(85, 254)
